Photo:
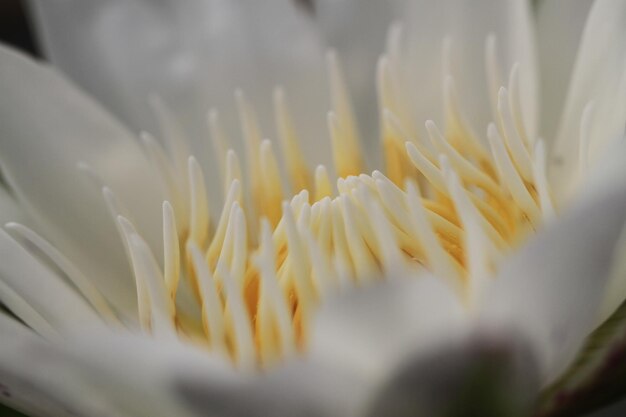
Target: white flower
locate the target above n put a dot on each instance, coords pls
(476, 265)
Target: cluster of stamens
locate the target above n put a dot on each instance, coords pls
(448, 205)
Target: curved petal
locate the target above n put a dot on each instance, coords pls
(194, 54)
(302, 389)
(46, 128)
(10, 209)
(25, 280)
(552, 289)
(96, 373)
(414, 314)
(400, 348)
(559, 26)
(20, 388)
(598, 83)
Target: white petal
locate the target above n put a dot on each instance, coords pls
(552, 288)
(599, 76)
(103, 373)
(400, 348)
(10, 209)
(559, 26)
(46, 293)
(21, 362)
(194, 54)
(298, 389)
(46, 128)
(371, 330)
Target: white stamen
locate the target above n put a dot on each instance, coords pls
(296, 163)
(171, 251)
(244, 340)
(510, 176)
(199, 215)
(172, 183)
(323, 187)
(145, 266)
(298, 260)
(514, 142)
(341, 103)
(438, 259)
(265, 261)
(541, 180)
(211, 305)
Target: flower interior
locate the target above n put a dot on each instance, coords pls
(451, 203)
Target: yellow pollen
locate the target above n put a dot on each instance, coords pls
(450, 203)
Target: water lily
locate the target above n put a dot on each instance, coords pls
(162, 274)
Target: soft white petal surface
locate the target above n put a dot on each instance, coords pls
(23, 385)
(46, 128)
(599, 79)
(98, 373)
(552, 288)
(194, 54)
(559, 26)
(370, 330)
(24, 278)
(10, 209)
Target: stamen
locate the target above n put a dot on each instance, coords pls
(298, 263)
(342, 124)
(515, 102)
(161, 323)
(323, 187)
(541, 180)
(265, 261)
(271, 190)
(199, 215)
(297, 168)
(514, 141)
(212, 317)
(493, 69)
(126, 230)
(446, 204)
(236, 311)
(233, 170)
(171, 252)
(511, 177)
(171, 182)
(215, 248)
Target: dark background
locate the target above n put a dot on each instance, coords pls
(14, 26)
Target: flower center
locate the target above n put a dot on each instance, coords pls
(448, 204)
